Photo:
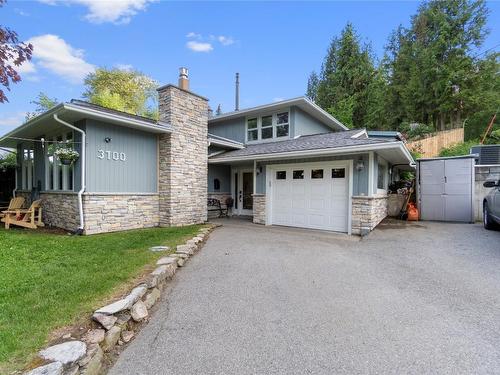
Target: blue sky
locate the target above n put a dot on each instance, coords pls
(274, 45)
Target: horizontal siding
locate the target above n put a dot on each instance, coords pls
(221, 172)
(137, 174)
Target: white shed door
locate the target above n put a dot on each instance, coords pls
(310, 196)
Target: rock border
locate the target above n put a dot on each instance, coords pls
(118, 322)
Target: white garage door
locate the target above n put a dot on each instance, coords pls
(310, 196)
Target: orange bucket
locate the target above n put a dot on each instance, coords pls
(412, 212)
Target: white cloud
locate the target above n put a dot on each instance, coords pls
(193, 35)
(26, 67)
(101, 11)
(54, 54)
(13, 119)
(125, 67)
(225, 40)
(21, 12)
(206, 44)
(199, 46)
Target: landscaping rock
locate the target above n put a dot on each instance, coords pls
(114, 307)
(127, 336)
(72, 371)
(180, 262)
(94, 363)
(107, 321)
(175, 255)
(94, 336)
(136, 294)
(153, 296)
(165, 260)
(111, 338)
(125, 303)
(159, 248)
(91, 351)
(54, 368)
(67, 353)
(139, 311)
(185, 249)
(122, 318)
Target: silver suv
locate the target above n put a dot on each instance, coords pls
(491, 205)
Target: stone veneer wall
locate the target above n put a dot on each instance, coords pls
(183, 157)
(110, 213)
(259, 208)
(60, 210)
(367, 212)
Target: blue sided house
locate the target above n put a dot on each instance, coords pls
(286, 163)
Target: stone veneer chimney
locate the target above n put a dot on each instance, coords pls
(183, 156)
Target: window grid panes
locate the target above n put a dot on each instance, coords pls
(298, 175)
(268, 127)
(281, 175)
(338, 173)
(252, 132)
(316, 173)
(282, 127)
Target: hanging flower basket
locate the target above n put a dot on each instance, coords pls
(66, 155)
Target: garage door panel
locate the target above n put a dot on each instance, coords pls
(319, 203)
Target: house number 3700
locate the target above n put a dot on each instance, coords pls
(111, 155)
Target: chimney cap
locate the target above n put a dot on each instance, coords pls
(183, 72)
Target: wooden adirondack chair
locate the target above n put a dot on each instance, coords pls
(30, 218)
(14, 204)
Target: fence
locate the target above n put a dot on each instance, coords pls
(431, 146)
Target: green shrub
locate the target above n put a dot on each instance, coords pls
(459, 149)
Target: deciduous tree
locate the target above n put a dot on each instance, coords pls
(13, 54)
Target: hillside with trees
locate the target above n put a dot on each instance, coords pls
(434, 75)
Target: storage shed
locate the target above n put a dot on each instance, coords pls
(445, 189)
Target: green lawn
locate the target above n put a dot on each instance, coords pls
(51, 280)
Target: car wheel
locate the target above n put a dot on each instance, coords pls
(487, 222)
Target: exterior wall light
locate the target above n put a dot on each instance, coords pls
(107, 140)
(360, 165)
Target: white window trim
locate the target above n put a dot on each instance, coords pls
(274, 127)
(383, 162)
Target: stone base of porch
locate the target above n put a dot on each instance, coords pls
(259, 208)
(367, 213)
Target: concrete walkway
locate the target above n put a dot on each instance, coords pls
(257, 300)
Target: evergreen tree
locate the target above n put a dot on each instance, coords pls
(312, 86)
(342, 88)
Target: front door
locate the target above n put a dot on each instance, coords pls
(244, 191)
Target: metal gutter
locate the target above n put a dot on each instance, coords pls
(82, 166)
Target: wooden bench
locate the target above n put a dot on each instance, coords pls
(215, 205)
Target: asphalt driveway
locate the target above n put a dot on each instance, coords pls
(257, 300)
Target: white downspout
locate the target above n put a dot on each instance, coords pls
(82, 166)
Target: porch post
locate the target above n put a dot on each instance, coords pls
(254, 177)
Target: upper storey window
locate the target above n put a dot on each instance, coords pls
(268, 127)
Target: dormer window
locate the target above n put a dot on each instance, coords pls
(268, 127)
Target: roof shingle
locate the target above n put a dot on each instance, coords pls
(303, 143)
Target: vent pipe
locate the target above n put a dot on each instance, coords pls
(184, 78)
(237, 94)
